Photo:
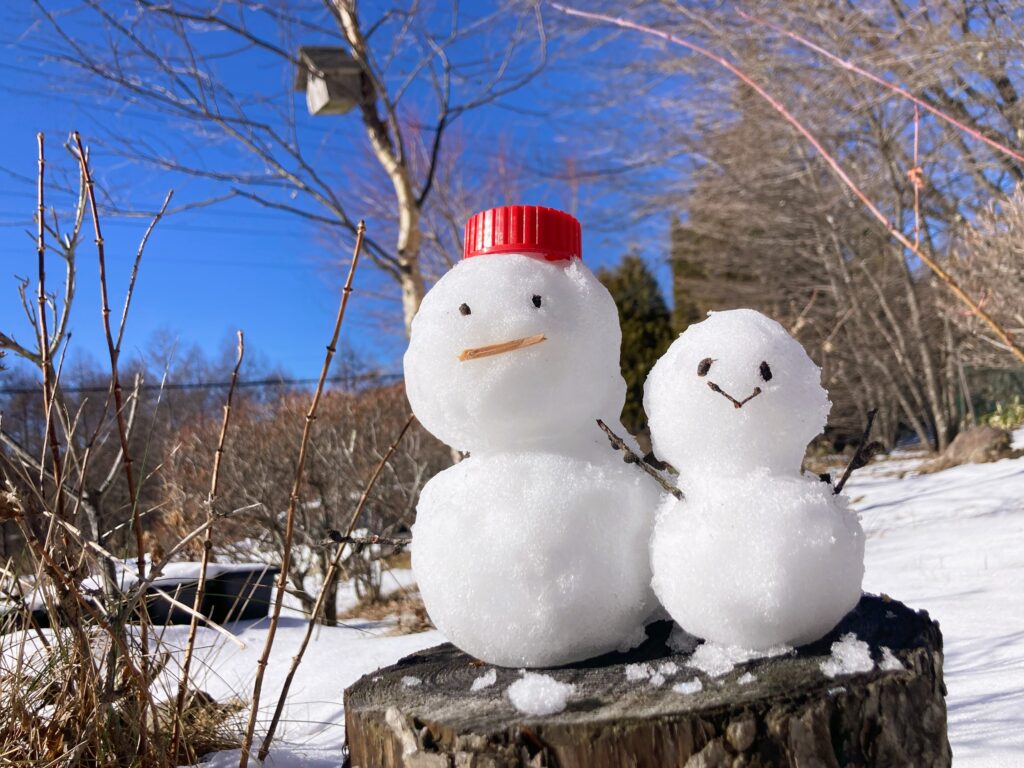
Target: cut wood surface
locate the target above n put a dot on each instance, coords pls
(422, 713)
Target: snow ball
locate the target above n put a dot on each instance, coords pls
(759, 560)
(486, 680)
(733, 393)
(515, 563)
(746, 679)
(849, 656)
(536, 694)
(889, 662)
(693, 686)
(527, 395)
(636, 672)
(411, 682)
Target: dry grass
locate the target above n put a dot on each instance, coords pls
(404, 605)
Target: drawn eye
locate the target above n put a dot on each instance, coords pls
(704, 366)
(465, 310)
(536, 301)
(766, 371)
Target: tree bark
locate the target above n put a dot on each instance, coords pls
(791, 714)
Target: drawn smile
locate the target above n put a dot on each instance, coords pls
(735, 403)
(473, 353)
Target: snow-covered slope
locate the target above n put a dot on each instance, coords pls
(951, 543)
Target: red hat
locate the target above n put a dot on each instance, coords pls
(554, 235)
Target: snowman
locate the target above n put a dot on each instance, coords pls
(533, 551)
(757, 554)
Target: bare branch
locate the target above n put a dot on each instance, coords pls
(300, 465)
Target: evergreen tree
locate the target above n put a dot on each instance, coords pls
(646, 330)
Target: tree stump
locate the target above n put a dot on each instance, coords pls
(790, 714)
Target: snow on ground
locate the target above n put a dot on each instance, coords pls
(952, 543)
(312, 729)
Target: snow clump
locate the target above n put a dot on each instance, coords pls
(849, 656)
(536, 694)
(889, 662)
(693, 686)
(635, 672)
(716, 660)
(486, 680)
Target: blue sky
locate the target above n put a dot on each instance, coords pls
(210, 271)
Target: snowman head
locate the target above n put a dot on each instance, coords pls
(518, 346)
(735, 393)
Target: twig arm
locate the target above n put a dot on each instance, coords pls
(631, 457)
(865, 451)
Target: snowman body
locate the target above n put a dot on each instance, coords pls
(533, 559)
(533, 550)
(769, 589)
(757, 554)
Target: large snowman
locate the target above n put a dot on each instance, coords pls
(533, 551)
(757, 554)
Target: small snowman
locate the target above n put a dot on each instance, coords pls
(757, 554)
(533, 551)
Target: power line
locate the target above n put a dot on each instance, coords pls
(255, 383)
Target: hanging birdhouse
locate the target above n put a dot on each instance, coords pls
(331, 79)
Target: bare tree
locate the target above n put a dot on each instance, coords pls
(354, 430)
(989, 257)
(191, 66)
(765, 203)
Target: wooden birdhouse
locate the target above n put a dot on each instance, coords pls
(331, 79)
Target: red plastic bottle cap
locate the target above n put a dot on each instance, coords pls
(554, 235)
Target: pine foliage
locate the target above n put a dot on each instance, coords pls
(646, 330)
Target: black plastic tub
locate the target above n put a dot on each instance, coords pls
(163, 611)
(239, 592)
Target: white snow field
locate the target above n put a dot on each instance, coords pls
(951, 543)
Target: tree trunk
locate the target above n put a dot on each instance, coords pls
(385, 138)
(790, 714)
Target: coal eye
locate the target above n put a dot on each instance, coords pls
(704, 366)
(465, 310)
(536, 301)
(766, 371)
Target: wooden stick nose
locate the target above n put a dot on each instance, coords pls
(473, 353)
